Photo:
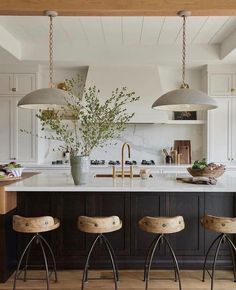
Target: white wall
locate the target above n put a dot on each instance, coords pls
(148, 140)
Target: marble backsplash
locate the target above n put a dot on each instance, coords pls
(146, 140)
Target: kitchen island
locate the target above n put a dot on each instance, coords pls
(53, 193)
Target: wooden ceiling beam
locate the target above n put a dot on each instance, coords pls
(118, 7)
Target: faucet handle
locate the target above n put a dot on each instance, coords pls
(131, 171)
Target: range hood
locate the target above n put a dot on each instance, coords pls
(144, 81)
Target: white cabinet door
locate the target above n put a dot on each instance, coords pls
(233, 130)
(6, 84)
(233, 90)
(25, 143)
(220, 84)
(6, 121)
(219, 132)
(24, 83)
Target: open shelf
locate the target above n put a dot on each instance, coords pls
(186, 122)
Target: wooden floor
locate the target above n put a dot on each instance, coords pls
(130, 280)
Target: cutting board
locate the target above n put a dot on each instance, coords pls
(183, 147)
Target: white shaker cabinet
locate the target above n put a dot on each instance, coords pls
(17, 145)
(14, 143)
(17, 83)
(6, 133)
(222, 84)
(222, 131)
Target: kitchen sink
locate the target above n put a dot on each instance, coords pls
(119, 175)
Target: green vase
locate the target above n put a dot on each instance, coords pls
(80, 167)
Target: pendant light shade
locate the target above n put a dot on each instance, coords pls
(184, 99)
(46, 98)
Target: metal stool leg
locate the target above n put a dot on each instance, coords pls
(26, 262)
(150, 260)
(208, 251)
(111, 259)
(21, 258)
(215, 259)
(45, 261)
(233, 251)
(114, 257)
(148, 256)
(52, 254)
(87, 260)
(174, 260)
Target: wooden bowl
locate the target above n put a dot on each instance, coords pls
(206, 172)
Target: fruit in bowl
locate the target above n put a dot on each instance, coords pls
(14, 168)
(202, 168)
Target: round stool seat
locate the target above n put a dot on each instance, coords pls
(99, 225)
(224, 225)
(162, 225)
(35, 224)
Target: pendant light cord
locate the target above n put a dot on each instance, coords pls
(51, 84)
(184, 85)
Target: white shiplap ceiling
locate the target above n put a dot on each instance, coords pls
(115, 33)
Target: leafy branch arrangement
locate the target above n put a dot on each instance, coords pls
(85, 122)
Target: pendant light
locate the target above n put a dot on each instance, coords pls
(46, 98)
(184, 99)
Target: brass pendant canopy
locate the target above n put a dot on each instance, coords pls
(184, 99)
(46, 98)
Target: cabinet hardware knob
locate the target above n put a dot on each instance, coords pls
(14, 89)
(229, 159)
(232, 90)
(232, 159)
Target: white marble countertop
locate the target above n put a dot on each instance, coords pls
(62, 182)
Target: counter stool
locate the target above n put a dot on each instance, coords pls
(100, 226)
(161, 226)
(224, 226)
(35, 226)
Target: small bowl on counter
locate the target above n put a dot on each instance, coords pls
(16, 172)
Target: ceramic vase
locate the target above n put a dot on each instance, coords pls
(80, 167)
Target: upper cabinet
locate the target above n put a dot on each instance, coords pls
(222, 84)
(16, 145)
(17, 84)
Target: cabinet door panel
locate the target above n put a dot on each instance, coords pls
(191, 207)
(219, 204)
(6, 84)
(144, 204)
(233, 93)
(5, 129)
(72, 242)
(219, 134)
(233, 130)
(220, 84)
(109, 204)
(24, 83)
(25, 143)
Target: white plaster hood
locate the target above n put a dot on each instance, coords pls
(144, 81)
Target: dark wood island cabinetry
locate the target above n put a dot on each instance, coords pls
(130, 243)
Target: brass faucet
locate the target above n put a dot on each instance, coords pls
(122, 173)
(122, 158)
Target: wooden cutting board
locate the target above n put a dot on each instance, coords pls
(185, 154)
(183, 147)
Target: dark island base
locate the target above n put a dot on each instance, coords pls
(7, 246)
(130, 243)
